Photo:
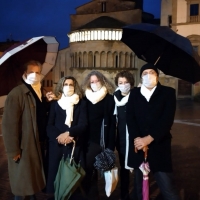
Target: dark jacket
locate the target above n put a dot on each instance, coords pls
(96, 113)
(153, 118)
(56, 126)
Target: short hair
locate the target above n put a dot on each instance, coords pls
(60, 85)
(127, 75)
(102, 79)
(32, 62)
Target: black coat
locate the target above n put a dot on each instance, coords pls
(56, 126)
(95, 117)
(153, 118)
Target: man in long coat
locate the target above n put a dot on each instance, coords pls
(150, 116)
(23, 127)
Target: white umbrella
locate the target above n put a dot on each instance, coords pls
(43, 49)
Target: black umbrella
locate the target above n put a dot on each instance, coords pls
(168, 51)
(43, 49)
(105, 160)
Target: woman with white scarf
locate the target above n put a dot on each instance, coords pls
(67, 122)
(124, 81)
(100, 108)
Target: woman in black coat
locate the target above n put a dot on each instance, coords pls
(100, 109)
(150, 116)
(67, 122)
(124, 81)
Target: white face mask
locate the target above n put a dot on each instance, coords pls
(33, 78)
(124, 88)
(68, 90)
(149, 80)
(95, 86)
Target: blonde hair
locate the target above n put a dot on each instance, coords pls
(59, 87)
(102, 79)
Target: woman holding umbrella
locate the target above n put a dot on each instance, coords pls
(124, 81)
(100, 108)
(67, 122)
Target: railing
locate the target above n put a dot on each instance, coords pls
(194, 18)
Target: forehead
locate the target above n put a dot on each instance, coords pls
(33, 68)
(122, 79)
(148, 70)
(69, 81)
(93, 77)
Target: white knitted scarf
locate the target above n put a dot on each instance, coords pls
(123, 101)
(67, 103)
(97, 96)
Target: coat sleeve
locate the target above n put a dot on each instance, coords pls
(161, 128)
(80, 128)
(132, 126)
(11, 124)
(52, 131)
(112, 120)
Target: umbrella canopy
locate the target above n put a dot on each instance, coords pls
(105, 160)
(43, 49)
(68, 178)
(144, 167)
(159, 45)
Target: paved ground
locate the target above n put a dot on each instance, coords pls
(186, 158)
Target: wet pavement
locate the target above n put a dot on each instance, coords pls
(185, 155)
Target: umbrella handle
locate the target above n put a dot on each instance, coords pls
(145, 149)
(72, 154)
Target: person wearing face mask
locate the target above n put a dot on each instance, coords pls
(150, 115)
(23, 128)
(67, 122)
(124, 81)
(100, 108)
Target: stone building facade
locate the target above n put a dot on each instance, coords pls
(183, 16)
(94, 40)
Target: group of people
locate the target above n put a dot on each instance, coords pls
(131, 118)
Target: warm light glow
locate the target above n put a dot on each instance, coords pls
(96, 34)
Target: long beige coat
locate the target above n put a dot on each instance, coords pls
(20, 136)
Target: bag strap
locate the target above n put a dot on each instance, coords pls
(72, 154)
(102, 141)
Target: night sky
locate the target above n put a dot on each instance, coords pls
(24, 19)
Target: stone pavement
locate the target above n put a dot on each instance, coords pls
(185, 155)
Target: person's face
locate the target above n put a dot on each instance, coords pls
(94, 79)
(122, 81)
(68, 82)
(33, 69)
(149, 71)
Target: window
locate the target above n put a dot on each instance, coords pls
(116, 61)
(103, 6)
(169, 20)
(47, 83)
(194, 9)
(62, 74)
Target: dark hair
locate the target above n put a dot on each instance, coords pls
(60, 84)
(103, 80)
(32, 62)
(127, 75)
